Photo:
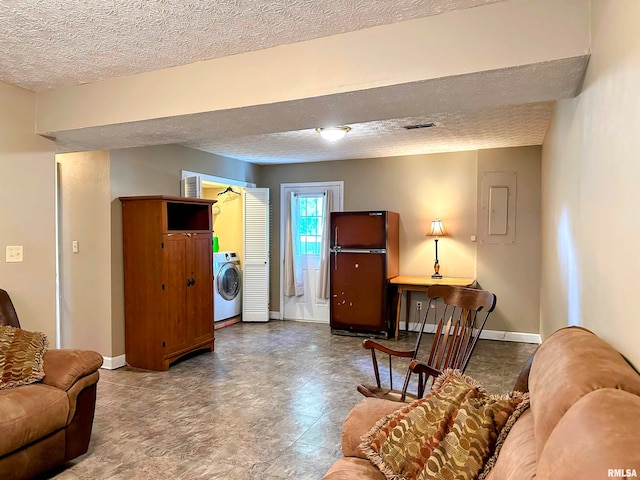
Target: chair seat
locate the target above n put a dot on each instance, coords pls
(386, 393)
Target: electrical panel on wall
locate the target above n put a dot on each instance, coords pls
(497, 216)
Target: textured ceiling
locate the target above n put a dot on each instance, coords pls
(53, 43)
(47, 44)
(495, 127)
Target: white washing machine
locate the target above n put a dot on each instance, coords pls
(227, 288)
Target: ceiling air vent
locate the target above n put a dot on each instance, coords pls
(420, 125)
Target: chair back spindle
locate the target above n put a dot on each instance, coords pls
(464, 314)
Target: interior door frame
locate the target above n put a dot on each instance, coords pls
(212, 178)
(285, 188)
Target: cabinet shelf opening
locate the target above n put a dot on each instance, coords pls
(184, 216)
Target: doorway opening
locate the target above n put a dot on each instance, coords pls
(227, 213)
(307, 226)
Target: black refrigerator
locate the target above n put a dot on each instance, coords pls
(364, 256)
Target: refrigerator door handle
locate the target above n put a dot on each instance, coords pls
(360, 250)
(335, 236)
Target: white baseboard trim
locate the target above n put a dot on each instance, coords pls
(511, 336)
(306, 320)
(499, 335)
(111, 363)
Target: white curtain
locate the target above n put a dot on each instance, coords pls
(323, 281)
(293, 278)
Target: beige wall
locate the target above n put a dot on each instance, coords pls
(85, 276)
(590, 178)
(27, 212)
(420, 188)
(155, 171)
(512, 271)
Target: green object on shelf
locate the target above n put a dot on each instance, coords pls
(216, 246)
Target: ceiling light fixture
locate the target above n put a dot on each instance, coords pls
(333, 133)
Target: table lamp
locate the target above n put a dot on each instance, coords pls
(436, 230)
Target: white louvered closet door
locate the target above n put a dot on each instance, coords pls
(191, 187)
(255, 266)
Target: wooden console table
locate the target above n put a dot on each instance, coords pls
(411, 283)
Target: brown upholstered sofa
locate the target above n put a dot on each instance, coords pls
(583, 423)
(47, 423)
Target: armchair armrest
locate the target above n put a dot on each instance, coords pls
(362, 417)
(424, 372)
(372, 344)
(62, 368)
(417, 366)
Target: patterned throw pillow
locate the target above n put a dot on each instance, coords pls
(21, 355)
(448, 434)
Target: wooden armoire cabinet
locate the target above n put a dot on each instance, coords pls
(168, 279)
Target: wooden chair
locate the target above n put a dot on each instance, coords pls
(461, 319)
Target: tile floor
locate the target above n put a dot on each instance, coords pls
(267, 404)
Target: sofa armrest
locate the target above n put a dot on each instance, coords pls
(62, 368)
(361, 419)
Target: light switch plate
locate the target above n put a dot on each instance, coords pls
(14, 253)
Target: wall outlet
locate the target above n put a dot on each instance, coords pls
(419, 305)
(14, 253)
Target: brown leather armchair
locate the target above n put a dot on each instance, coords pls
(8, 314)
(47, 423)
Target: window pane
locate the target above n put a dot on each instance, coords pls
(311, 221)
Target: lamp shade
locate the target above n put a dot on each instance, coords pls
(436, 230)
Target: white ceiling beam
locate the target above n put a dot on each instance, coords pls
(504, 35)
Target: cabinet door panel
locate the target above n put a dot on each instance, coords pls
(176, 334)
(200, 293)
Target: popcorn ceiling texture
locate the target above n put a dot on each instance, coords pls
(54, 43)
(48, 44)
(498, 127)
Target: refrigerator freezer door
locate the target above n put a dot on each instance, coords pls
(359, 229)
(358, 292)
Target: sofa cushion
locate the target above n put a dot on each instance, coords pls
(361, 420)
(568, 365)
(29, 413)
(351, 468)
(449, 433)
(517, 458)
(20, 356)
(597, 438)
